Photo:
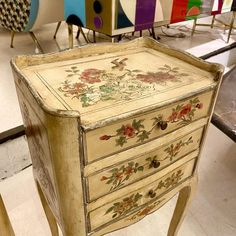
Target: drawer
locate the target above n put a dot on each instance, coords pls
(140, 213)
(144, 164)
(113, 211)
(125, 134)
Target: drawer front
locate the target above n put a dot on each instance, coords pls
(123, 206)
(122, 135)
(140, 213)
(145, 164)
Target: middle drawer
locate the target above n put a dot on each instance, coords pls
(113, 178)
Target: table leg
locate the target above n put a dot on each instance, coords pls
(50, 217)
(184, 199)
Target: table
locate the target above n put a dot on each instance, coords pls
(115, 131)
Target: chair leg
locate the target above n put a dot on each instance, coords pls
(194, 27)
(12, 38)
(231, 25)
(36, 41)
(50, 217)
(5, 224)
(58, 26)
(94, 36)
(213, 21)
(70, 32)
(85, 38)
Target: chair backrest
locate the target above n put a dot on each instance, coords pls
(18, 15)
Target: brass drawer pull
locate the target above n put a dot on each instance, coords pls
(162, 124)
(155, 164)
(152, 194)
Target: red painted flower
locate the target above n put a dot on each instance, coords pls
(199, 106)
(129, 131)
(105, 137)
(129, 170)
(104, 178)
(119, 175)
(173, 116)
(158, 77)
(91, 76)
(185, 110)
(74, 88)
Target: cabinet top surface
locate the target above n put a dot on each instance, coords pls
(102, 86)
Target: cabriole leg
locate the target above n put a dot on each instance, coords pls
(5, 224)
(184, 199)
(50, 217)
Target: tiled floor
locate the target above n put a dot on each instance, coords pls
(213, 212)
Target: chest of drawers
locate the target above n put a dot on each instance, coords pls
(114, 131)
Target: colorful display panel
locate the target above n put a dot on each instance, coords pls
(114, 17)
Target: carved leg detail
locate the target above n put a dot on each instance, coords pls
(184, 199)
(5, 224)
(50, 217)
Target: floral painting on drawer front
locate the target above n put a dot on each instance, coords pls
(118, 176)
(182, 114)
(119, 83)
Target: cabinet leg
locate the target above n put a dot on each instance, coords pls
(184, 199)
(5, 224)
(50, 217)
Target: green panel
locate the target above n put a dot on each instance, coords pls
(193, 9)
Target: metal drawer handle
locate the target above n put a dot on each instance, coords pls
(152, 194)
(155, 164)
(162, 124)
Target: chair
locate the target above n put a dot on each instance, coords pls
(27, 15)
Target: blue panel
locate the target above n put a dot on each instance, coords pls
(75, 7)
(34, 8)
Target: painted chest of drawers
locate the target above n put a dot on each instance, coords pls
(114, 131)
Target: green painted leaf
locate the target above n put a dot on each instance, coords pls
(121, 141)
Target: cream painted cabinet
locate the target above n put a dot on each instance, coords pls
(114, 131)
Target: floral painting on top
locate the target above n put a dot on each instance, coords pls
(120, 83)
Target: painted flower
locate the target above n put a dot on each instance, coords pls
(173, 116)
(104, 178)
(199, 106)
(76, 88)
(129, 170)
(128, 130)
(91, 76)
(157, 77)
(105, 137)
(185, 110)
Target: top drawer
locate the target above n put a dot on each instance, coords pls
(127, 133)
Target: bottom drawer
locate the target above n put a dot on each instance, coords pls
(140, 213)
(119, 208)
